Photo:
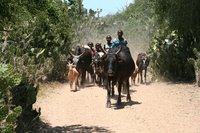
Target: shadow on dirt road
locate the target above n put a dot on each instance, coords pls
(124, 104)
(42, 127)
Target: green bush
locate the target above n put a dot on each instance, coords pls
(16, 100)
(35, 42)
(8, 112)
(24, 95)
(196, 64)
(169, 53)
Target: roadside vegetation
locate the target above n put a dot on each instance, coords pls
(36, 36)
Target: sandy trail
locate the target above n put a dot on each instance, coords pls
(155, 108)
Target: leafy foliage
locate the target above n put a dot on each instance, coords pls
(16, 100)
(182, 17)
(196, 65)
(8, 113)
(38, 39)
(24, 95)
(169, 56)
(34, 38)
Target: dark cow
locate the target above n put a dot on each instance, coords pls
(118, 67)
(82, 57)
(97, 65)
(142, 63)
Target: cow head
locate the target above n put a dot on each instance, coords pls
(144, 62)
(71, 66)
(97, 62)
(75, 58)
(110, 62)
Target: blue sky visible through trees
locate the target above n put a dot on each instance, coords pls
(107, 6)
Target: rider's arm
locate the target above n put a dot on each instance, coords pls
(114, 43)
(125, 42)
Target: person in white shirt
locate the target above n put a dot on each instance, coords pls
(109, 43)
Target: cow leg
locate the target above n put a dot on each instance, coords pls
(124, 87)
(128, 98)
(104, 80)
(70, 83)
(145, 76)
(76, 83)
(108, 104)
(93, 78)
(113, 89)
(92, 74)
(87, 76)
(100, 80)
(96, 78)
(119, 91)
(133, 80)
(83, 77)
(141, 77)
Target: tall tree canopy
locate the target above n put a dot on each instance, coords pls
(181, 15)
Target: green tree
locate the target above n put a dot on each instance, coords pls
(40, 37)
(34, 38)
(183, 17)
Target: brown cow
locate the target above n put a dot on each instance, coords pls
(142, 64)
(73, 75)
(133, 76)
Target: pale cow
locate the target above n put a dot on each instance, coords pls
(73, 75)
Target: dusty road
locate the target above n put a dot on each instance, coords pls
(155, 108)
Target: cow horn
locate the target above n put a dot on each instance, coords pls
(118, 50)
(80, 55)
(71, 54)
(68, 63)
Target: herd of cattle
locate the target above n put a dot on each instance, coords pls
(107, 69)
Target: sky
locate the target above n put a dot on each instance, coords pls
(107, 6)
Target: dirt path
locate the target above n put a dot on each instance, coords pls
(156, 108)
